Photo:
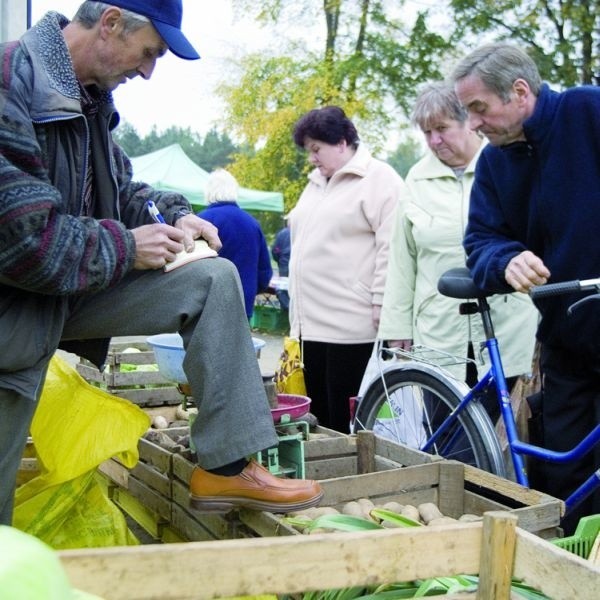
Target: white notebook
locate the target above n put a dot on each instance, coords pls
(201, 250)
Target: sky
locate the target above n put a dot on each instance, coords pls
(181, 92)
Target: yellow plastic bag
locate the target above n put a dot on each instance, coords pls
(75, 428)
(289, 377)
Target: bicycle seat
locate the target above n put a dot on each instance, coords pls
(458, 283)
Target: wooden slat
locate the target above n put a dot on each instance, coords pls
(273, 565)
(554, 571)
(497, 556)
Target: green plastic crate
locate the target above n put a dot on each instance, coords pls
(270, 319)
(581, 542)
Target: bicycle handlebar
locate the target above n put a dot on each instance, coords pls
(564, 287)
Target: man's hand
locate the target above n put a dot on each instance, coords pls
(156, 245)
(194, 227)
(525, 271)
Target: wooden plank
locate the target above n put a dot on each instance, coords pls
(497, 556)
(323, 448)
(402, 454)
(374, 485)
(554, 571)
(189, 527)
(282, 565)
(451, 489)
(265, 524)
(153, 478)
(141, 514)
(365, 452)
(116, 472)
(150, 499)
(156, 456)
(508, 488)
(328, 468)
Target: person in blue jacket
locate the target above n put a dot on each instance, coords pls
(243, 241)
(280, 250)
(534, 219)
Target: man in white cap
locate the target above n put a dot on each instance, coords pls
(81, 259)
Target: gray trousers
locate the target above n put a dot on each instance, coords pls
(202, 301)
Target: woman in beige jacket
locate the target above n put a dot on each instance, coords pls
(427, 241)
(340, 230)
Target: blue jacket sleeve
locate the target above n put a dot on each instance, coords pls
(489, 242)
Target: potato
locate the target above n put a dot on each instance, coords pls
(429, 511)
(469, 518)
(393, 506)
(411, 512)
(319, 511)
(159, 422)
(367, 506)
(390, 524)
(352, 508)
(441, 521)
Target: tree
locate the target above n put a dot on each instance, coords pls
(562, 36)
(214, 151)
(406, 154)
(368, 63)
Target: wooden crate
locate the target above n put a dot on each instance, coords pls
(144, 388)
(149, 494)
(337, 455)
(495, 549)
(454, 487)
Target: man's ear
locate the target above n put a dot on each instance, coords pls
(521, 90)
(110, 21)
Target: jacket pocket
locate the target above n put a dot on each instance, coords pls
(28, 322)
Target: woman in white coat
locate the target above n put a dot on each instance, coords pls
(427, 241)
(340, 231)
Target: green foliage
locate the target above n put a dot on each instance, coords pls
(215, 150)
(406, 154)
(562, 36)
(370, 62)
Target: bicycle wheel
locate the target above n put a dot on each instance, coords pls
(407, 404)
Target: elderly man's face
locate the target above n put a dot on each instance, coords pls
(125, 56)
(501, 122)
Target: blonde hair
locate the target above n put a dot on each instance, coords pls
(221, 186)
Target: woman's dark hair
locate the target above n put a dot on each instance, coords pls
(328, 124)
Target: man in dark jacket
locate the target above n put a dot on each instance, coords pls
(280, 250)
(534, 218)
(81, 259)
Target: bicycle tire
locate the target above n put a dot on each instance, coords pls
(387, 409)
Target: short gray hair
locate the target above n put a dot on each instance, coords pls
(498, 66)
(221, 186)
(89, 13)
(437, 100)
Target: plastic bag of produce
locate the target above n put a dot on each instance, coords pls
(75, 428)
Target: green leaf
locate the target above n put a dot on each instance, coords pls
(343, 523)
(389, 515)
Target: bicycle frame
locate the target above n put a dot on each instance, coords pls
(457, 283)
(518, 448)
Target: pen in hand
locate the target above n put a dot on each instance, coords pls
(154, 212)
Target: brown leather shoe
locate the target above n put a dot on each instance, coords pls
(255, 487)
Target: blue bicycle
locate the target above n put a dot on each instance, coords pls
(414, 401)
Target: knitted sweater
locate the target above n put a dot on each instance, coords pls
(543, 195)
(50, 250)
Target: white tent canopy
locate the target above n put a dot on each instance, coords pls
(172, 170)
